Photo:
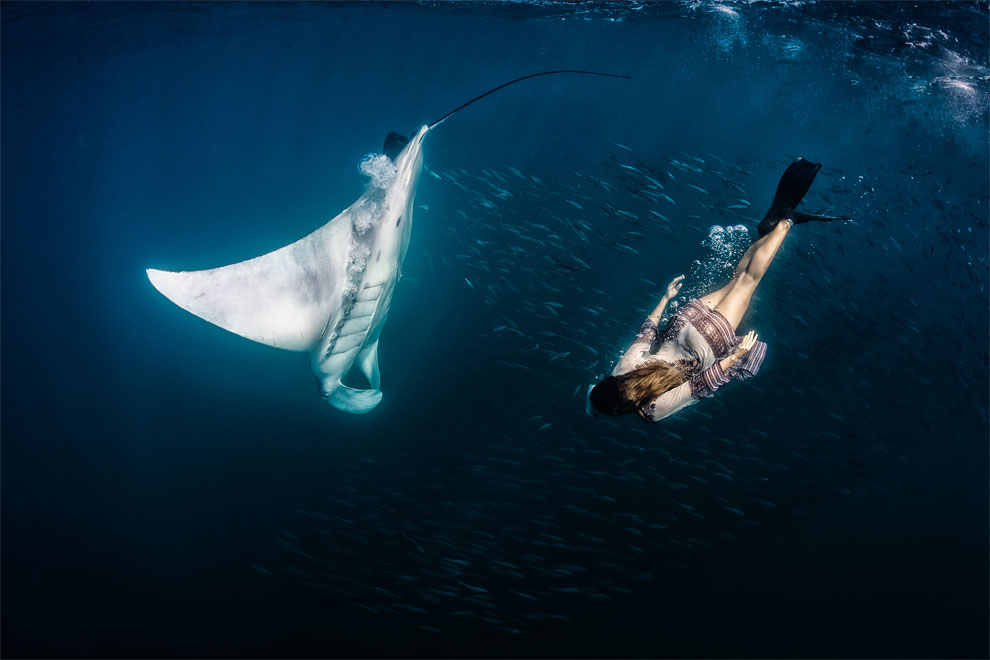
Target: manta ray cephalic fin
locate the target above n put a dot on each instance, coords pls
(367, 361)
(354, 401)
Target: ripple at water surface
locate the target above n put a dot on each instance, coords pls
(170, 489)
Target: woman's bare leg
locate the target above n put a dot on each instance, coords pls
(715, 297)
(735, 302)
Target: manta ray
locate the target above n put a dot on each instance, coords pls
(327, 294)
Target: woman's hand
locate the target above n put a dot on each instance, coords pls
(672, 289)
(748, 342)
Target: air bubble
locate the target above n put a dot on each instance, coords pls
(379, 168)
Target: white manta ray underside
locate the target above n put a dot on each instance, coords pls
(328, 293)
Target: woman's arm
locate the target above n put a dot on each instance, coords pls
(672, 289)
(641, 346)
(748, 342)
(712, 378)
(638, 349)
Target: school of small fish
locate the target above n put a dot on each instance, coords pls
(537, 510)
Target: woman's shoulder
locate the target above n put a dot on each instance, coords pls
(647, 331)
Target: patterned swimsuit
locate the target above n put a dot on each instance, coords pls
(694, 340)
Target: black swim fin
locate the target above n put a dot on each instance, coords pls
(793, 186)
(799, 217)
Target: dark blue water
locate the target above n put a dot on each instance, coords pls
(170, 489)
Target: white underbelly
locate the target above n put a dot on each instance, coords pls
(350, 334)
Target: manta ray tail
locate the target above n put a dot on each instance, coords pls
(513, 82)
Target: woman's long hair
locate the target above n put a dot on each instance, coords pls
(618, 395)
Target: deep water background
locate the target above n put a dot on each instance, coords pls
(160, 477)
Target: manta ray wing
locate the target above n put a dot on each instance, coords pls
(283, 299)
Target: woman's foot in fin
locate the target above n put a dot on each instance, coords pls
(800, 218)
(793, 186)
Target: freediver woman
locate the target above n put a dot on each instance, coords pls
(698, 350)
